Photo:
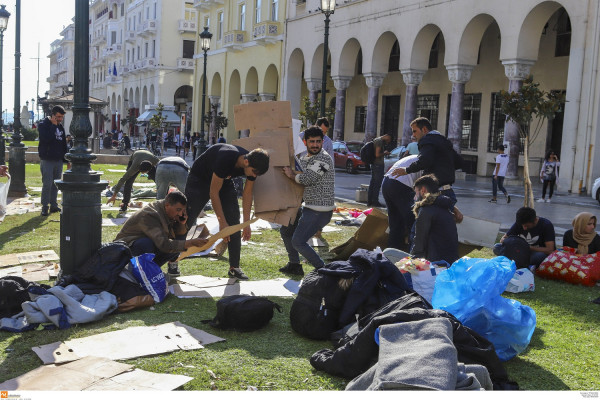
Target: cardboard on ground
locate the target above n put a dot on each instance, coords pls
(207, 287)
(230, 230)
(29, 257)
(93, 373)
(478, 232)
(128, 343)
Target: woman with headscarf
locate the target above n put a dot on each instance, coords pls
(583, 237)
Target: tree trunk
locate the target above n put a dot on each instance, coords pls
(528, 202)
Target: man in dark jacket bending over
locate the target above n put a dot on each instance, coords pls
(436, 237)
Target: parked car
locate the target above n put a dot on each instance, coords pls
(347, 155)
(596, 190)
(394, 156)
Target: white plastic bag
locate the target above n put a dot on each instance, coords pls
(423, 282)
(522, 281)
(4, 198)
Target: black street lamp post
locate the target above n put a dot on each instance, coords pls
(3, 24)
(205, 37)
(327, 8)
(17, 149)
(81, 218)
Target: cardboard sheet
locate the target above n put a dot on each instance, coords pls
(276, 146)
(12, 271)
(478, 232)
(29, 257)
(262, 115)
(230, 230)
(113, 221)
(316, 242)
(128, 343)
(37, 272)
(206, 287)
(93, 373)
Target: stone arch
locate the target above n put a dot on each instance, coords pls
(470, 40)
(184, 93)
(419, 53)
(113, 103)
(132, 102)
(144, 97)
(316, 64)
(137, 97)
(215, 85)
(152, 95)
(348, 56)
(251, 84)
(381, 53)
(235, 87)
(271, 81)
(293, 84)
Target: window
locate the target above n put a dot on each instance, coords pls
(394, 63)
(122, 10)
(274, 10)
(497, 121)
(153, 48)
(470, 120)
(146, 49)
(113, 37)
(154, 11)
(563, 35)
(257, 11)
(359, 62)
(147, 12)
(428, 106)
(207, 21)
(220, 26)
(242, 17)
(434, 52)
(138, 53)
(360, 118)
(128, 57)
(188, 48)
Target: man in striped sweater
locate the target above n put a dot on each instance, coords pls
(317, 177)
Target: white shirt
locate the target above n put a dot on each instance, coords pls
(408, 179)
(502, 159)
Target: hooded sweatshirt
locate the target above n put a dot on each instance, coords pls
(437, 156)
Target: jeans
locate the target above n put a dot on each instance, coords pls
(167, 174)
(51, 170)
(498, 183)
(375, 184)
(128, 187)
(197, 192)
(545, 186)
(399, 199)
(295, 236)
(536, 258)
(146, 245)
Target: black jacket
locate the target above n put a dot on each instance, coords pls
(52, 147)
(436, 237)
(569, 241)
(438, 157)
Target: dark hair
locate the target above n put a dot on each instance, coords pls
(313, 131)
(175, 197)
(259, 160)
(548, 153)
(525, 215)
(500, 146)
(422, 122)
(146, 166)
(322, 121)
(58, 110)
(430, 182)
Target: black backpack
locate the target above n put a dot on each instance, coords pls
(243, 313)
(14, 291)
(517, 249)
(367, 153)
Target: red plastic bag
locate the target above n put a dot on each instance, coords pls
(572, 268)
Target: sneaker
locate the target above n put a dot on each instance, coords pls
(507, 198)
(549, 201)
(55, 209)
(542, 200)
(173, 269)
(237, 273)
(45, 211)
(492, 201)
(293, 269)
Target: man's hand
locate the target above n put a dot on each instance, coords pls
(199, 242)
(4, 170)
(399, 172)
(288, 172)
(495, 177)
(112, 199)
(458, 216)
(246, 234)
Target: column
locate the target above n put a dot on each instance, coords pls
(246, 98)
(341, 83)
(212, 130)
(516, 71)
(412, 79)
(373, 81)
(266, 96)
(314, 87)
(458, 75)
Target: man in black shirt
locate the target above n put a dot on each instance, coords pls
(211, 179)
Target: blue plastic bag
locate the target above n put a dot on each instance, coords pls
(471, 291)
(150, 276)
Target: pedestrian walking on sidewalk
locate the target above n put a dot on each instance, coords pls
(499, 174)
(549, 175)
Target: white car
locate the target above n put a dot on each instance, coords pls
(394, 156)
(596, 190)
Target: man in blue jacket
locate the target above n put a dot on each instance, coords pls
(52, 149)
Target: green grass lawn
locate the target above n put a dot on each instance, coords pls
(563, 354)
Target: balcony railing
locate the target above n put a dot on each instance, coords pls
(112, 50)
(185, 63)
(98, 40)
(204, 4)
(148, 28)
(267, 32)
(112, 79)
(129, 36)
(234, 40)
(123, 69)
(186, 25)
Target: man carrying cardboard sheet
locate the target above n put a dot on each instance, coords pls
(211, 179)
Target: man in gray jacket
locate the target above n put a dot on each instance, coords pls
(317, 177)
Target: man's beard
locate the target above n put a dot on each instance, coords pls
(312, 152)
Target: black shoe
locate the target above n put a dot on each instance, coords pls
(54, 209)
(492, 201)
(237, 273)
(173, 269)
(507, 198)
(45, 211)
(293, 269)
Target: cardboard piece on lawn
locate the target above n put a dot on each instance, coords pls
(230, 230)
(93, 373)
(372, 233)
(477, 232)
(29, 257)
(207, 287)
(128, 343)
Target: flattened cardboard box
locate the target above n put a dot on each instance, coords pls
(262, 115)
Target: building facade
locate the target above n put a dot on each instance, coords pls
(391, 61)
(62, 62)
(245, 59)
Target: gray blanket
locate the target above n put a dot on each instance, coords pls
(62, 307)
(419, 355)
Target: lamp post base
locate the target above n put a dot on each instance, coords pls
(16, 165)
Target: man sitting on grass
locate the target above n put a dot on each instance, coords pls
(160, 228)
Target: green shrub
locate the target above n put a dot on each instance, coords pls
(29, 134)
